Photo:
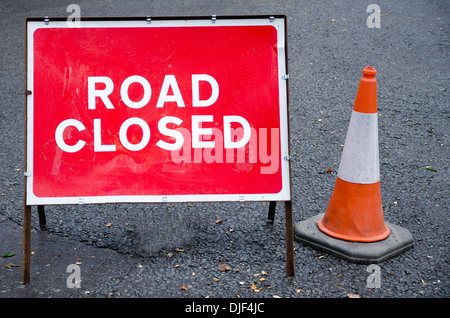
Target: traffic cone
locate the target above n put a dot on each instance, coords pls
(355, 211)
(353, 225)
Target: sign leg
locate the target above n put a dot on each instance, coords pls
(289, 240)
(271, 215)
(26, 244)
(42, 220)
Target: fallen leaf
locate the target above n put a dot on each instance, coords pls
(262, 279)
(177, 265)
(218, 221)
(108, 224)
(183, 287)
(215, 279)
(350, 295)
(255, 288)
(329, 170)
(129, 228)
(224, 267)
(8, 255)
(431, 168)
(423, 282)
(275, 296)
(264, 273)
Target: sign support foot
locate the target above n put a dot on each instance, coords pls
(289, 239)
(26, 244)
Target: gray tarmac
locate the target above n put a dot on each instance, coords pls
(178, 250)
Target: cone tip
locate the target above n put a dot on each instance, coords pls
(370, 71)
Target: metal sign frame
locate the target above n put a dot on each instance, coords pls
(278, 21)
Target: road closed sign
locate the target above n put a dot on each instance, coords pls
(156, 110)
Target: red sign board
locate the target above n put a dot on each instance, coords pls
(173, 110)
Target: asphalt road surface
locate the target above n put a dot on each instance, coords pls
(178, 250)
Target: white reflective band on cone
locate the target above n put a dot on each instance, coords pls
(359, 160)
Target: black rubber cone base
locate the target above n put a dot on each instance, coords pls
(399, 240)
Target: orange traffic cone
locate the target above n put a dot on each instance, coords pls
(355, 214)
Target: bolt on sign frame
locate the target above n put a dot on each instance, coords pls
(156, 109)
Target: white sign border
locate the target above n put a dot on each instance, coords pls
(278, 22)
